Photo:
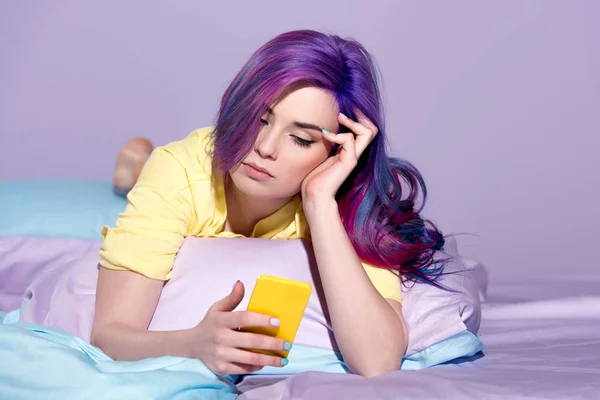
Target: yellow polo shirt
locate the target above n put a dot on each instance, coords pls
(176, 196)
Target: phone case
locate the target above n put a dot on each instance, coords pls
(284, 299)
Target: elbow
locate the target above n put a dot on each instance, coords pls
(96, 339)
(372, 371)
(371, 367)
(100, 340)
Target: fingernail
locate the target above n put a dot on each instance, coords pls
(343, 115)
(287, 346)
(274, 322)
(325, 131)
(284, 362)
(236, 282)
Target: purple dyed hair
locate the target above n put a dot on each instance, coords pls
(378, 201)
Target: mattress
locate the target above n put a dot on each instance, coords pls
(542, 341)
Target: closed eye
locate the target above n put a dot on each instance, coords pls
(302, 142)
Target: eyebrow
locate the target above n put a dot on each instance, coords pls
(302, 125)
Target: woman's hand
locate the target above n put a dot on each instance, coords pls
(217, 342)
(325, 180)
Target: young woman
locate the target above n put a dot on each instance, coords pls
(297, 151)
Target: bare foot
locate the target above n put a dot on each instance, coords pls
(130, 161)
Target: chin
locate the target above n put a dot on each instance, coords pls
(253, 188)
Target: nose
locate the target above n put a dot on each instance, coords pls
(267, 143)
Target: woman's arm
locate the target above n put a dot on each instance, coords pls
(125, 303)
(370, 330)
(136, 259)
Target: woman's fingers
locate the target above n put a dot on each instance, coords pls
(258, 341)
(346, 141)
(356, 127)
(364, 129)
(245, 368)
(240, 319)
(362, 119)
(250, 340)
(233, 368)
(247, 357)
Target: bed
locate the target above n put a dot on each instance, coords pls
(542, 341)
(541, 335)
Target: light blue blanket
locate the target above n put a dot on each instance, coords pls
(44, 363)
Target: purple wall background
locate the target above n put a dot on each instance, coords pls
(497, 103)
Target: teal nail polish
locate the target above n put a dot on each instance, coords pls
(287, 346)
(325, 131)
(284, 362)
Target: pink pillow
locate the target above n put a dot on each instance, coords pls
(206, 269)
(432, 314)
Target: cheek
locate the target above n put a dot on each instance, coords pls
(302, 164)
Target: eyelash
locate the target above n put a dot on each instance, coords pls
(300, 142)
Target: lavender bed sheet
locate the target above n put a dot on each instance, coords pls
(542, 341)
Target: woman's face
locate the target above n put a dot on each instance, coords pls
(289, 144)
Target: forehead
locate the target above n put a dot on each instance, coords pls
(307, 104)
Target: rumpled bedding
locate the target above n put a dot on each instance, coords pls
(40, 362)
(541, 332)
(39, 358)
(542, 339)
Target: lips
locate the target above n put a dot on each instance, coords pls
(256, 167)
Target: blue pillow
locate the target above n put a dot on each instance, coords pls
(459, 347)
(58, 208)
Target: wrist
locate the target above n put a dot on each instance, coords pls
(315, 207)
(184, 343)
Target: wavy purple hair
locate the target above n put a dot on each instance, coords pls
(377, 203)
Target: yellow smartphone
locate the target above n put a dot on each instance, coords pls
(284, 299)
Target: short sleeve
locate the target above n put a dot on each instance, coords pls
(387, 282)
(151, 230)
